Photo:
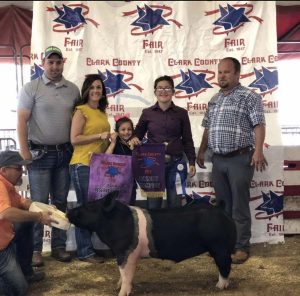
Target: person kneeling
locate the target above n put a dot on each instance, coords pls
(16, 228)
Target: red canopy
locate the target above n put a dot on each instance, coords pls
(15, 24)
(15, 37)
(288, 31)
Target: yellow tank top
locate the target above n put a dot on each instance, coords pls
(96, 123)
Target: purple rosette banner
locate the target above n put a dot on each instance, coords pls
(148, 162)
(109, 172)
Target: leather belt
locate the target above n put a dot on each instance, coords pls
(237, 152)
(58, 147)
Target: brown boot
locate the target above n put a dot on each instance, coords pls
(93, 259)
(239, 257)
(37, 259)
(61, 255)
(36, 276)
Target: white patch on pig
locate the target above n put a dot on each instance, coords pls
(223, 283)
(153, 252)
(127, 269)
(143, 241)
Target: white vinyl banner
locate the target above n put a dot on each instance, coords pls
(131, 43)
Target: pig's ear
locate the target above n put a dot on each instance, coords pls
(110, 200)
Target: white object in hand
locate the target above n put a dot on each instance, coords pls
(57, 215)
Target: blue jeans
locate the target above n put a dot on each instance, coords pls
(15, 261)
(49, 174)
(80, 175)
(172, 168)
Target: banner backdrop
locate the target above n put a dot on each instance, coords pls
(131, 43)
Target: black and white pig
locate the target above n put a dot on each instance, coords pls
(175, 234)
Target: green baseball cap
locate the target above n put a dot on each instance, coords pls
(52, 50)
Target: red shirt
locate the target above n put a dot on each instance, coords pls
(9, 197)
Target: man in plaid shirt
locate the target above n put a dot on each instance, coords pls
(234, 131)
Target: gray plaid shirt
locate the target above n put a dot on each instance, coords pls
(231, 119)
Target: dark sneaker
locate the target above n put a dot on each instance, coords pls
(61, 255)
(35, 277)
(37, 259)
(239, 257)
(93, 259)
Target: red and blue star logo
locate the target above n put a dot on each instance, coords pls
(196, 198)
(266, 81)
(151, 18)
(71, 19)
(192, 83)
(114, 83)
(36, 72)
(232, 17)
(272, 206)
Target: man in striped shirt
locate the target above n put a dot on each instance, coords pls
(234, 131)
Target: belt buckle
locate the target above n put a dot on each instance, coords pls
(168, 158)
(246, 150)
(243, 150)
(58, 147)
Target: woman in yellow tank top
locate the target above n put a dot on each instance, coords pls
(90, 133)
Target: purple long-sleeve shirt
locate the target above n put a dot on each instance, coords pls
(171, 126)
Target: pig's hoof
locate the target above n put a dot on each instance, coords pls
(223, 283)
(125, 294)
(222, 286)
(125, 291)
